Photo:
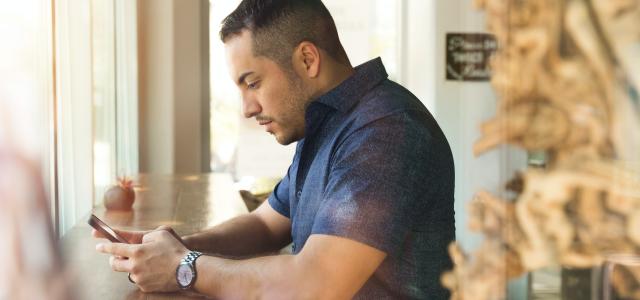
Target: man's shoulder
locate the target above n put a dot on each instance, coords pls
(387, 100)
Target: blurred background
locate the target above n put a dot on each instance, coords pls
(91, 90)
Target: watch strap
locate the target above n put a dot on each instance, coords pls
(190, 259)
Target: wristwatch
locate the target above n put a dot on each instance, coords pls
(186, 273)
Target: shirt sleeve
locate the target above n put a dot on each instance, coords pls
(377, 183)
(279, 199)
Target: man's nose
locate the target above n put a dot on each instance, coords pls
(250, 107)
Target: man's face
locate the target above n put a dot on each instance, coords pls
(275, 98)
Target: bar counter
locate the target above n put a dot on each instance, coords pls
(187, 203)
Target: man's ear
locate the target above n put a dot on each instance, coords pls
(306, 59)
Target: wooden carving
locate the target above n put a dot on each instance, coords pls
(567, 75)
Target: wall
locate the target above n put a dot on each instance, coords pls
(460, 107)
(155, 58)
(191, 94)
(173, 89)
(419, 54)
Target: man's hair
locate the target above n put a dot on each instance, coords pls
(278, 26)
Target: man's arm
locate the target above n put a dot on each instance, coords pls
(264, 230)
(328, 267)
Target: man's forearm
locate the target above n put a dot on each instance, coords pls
(328, 267)
(241, 236)
(268, 277)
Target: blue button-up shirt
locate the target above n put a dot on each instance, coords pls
(375, 167)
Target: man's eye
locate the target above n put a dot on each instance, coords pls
(253, 85)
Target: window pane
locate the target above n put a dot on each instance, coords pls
(369, 31)
(104, 94)
(26, 85)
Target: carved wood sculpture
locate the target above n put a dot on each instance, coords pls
(567, 75)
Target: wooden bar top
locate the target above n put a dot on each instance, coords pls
(187, 203)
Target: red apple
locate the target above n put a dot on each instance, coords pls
(121, 196)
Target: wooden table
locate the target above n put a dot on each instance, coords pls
(188, 203)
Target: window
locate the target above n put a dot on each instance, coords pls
(371, 30)
(225, 100)
(27, 84)
(114, 89)
(95, 102)
(104, 94)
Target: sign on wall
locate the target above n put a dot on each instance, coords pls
(468, 56)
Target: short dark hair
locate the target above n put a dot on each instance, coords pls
(278, 26)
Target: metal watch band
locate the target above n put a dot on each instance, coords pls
(191, 258)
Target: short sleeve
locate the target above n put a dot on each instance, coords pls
(376, 182)
(279, 199)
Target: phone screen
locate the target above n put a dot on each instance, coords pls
(102, 227)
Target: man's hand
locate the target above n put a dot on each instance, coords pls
(152, 263)
(133, 237)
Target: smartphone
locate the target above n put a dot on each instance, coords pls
(107, 231)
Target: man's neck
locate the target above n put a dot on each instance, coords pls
(335, 75)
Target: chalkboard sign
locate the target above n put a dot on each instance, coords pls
(468, 56)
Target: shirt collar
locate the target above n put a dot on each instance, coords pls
(350, 91)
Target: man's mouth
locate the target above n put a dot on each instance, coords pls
(262, 123)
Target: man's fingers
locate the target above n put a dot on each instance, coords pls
(121, 264)
(137, 237)
(165, 227)
(173, 232)
(165, 231)
(153, 235)
(97, 234)
(119, 249)
(133, 237)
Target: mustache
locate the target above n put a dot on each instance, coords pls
(261, 118)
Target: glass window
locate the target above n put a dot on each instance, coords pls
(104, 94)
(225, 100)
(27, 86)
(114, 69)
(369, 31)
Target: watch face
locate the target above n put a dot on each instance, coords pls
(185, 275)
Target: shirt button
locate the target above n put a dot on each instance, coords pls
(299, 193)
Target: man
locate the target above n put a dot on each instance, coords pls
(367, 201)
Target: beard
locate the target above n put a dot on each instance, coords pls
(292, 120)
